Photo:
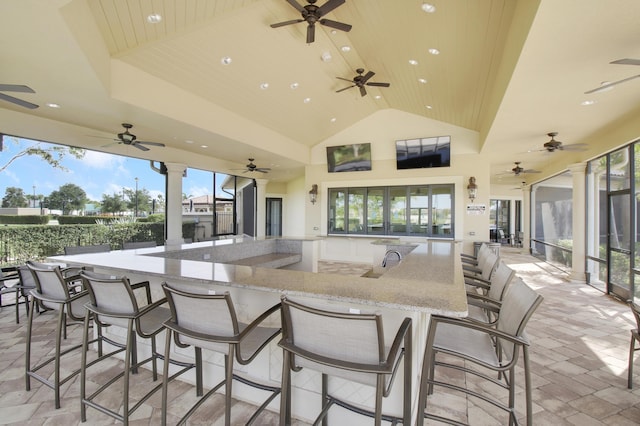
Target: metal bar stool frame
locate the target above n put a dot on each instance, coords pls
(52, 292)
(222, 333)
(385, 367)
(129, 317)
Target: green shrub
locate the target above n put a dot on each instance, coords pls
(14, 219)
(84, 220)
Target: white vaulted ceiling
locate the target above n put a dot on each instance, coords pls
(510, 70)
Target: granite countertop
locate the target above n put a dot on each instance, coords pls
(429, 279)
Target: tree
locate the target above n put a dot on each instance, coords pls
(52, 154)
(67, 198)
(112, 203)
(14, 197)
(143, 200)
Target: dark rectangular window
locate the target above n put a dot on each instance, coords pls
(420, 210)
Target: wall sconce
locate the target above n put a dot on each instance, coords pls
(313, 194)
(472, 188)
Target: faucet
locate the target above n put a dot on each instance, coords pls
(386, 256)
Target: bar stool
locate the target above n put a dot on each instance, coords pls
(346, 345)
(52, 292)
(208, 321)
(113, 303)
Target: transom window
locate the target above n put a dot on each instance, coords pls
(416, 210)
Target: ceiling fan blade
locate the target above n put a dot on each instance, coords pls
(367, 76)
(363, 91)
(150, 143)
(337, 25)
(626, 61)
(16, 88)
(311, 33)
(378, 84)
(110, 144)
(295, 4)
(345, 79)
(329, 6)
(140, 147)
(17, 101)
(282, 24)
(342, 90)
(608, 85)
(575, 147)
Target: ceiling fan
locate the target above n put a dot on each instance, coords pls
(606, 86)
(312, 14)
(128, 138)
(517, 170)
(250, 168)
(17, 88)
(554, 145)
(361, 81)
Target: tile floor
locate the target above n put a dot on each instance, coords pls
(579, 356)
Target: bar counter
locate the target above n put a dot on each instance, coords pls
(428, 280)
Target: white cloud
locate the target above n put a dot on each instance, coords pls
(101, 160)
(196, 191)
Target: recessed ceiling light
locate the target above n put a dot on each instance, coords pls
(434, 51)
(333, 119)
(326, 57)
(188, 141)
(154, 18)
(53, 105)
(346, 48)
(587, 103)
(428, 107)
(264, 86)
(294, 86)
(413, 62)
(377, 96)
(204, 146)
(306, 100)
(225, 60)
(429, 8)
(422, 80)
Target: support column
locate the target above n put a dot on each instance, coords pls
(261, 207)
(528, 220)
(578, 257)
(174, 203)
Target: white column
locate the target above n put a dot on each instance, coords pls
(528, 220)
(578, 257)
(261, 207)
(174, 203)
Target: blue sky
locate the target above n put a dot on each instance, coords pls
(97, 173)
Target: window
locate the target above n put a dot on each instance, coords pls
(420, 210)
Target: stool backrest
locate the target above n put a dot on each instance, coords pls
(98, 248)
(49, 280)
(500, 279)
(517, 307)
(332, 337)
(202, 311)
(110, 293)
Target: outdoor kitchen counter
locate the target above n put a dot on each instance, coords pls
(429, 279)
